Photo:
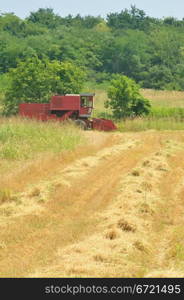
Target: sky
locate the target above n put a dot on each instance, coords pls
(153, 8)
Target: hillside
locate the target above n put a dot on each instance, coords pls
(144, 48)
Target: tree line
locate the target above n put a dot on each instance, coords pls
(146, 49)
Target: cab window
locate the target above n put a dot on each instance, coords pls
(84, 101)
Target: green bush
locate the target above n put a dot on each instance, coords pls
(125, 98)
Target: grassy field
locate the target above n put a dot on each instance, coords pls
(119, 208)
(24, 139)
(155, 123)
(69, 196)
(164, 98)
(167, 111)
(30, 149)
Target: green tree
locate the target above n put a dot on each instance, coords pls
(125, 98)
(148, 50)
(158, 77)
(35, 80)
(127, 53)
(12, 24)
(69, 77)
(45, 17)
(11, 49)
(133, 18)
(90, 21)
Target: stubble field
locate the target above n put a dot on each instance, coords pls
(91, 204)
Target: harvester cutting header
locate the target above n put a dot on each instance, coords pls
(63, 107)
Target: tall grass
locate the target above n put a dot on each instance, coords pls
(176, 113)
(23, 139)
(167, 111)
(142, 124)
(164, 98)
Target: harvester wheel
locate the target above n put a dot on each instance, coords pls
(81, 124)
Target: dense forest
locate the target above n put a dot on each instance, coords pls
(146, 49)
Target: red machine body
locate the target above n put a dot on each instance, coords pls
(62, 107)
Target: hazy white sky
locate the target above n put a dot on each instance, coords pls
(154, 8)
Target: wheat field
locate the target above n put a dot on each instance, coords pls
(79, 203)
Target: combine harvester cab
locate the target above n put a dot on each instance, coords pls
(63, 107)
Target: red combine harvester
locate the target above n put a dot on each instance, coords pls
(75, 107)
